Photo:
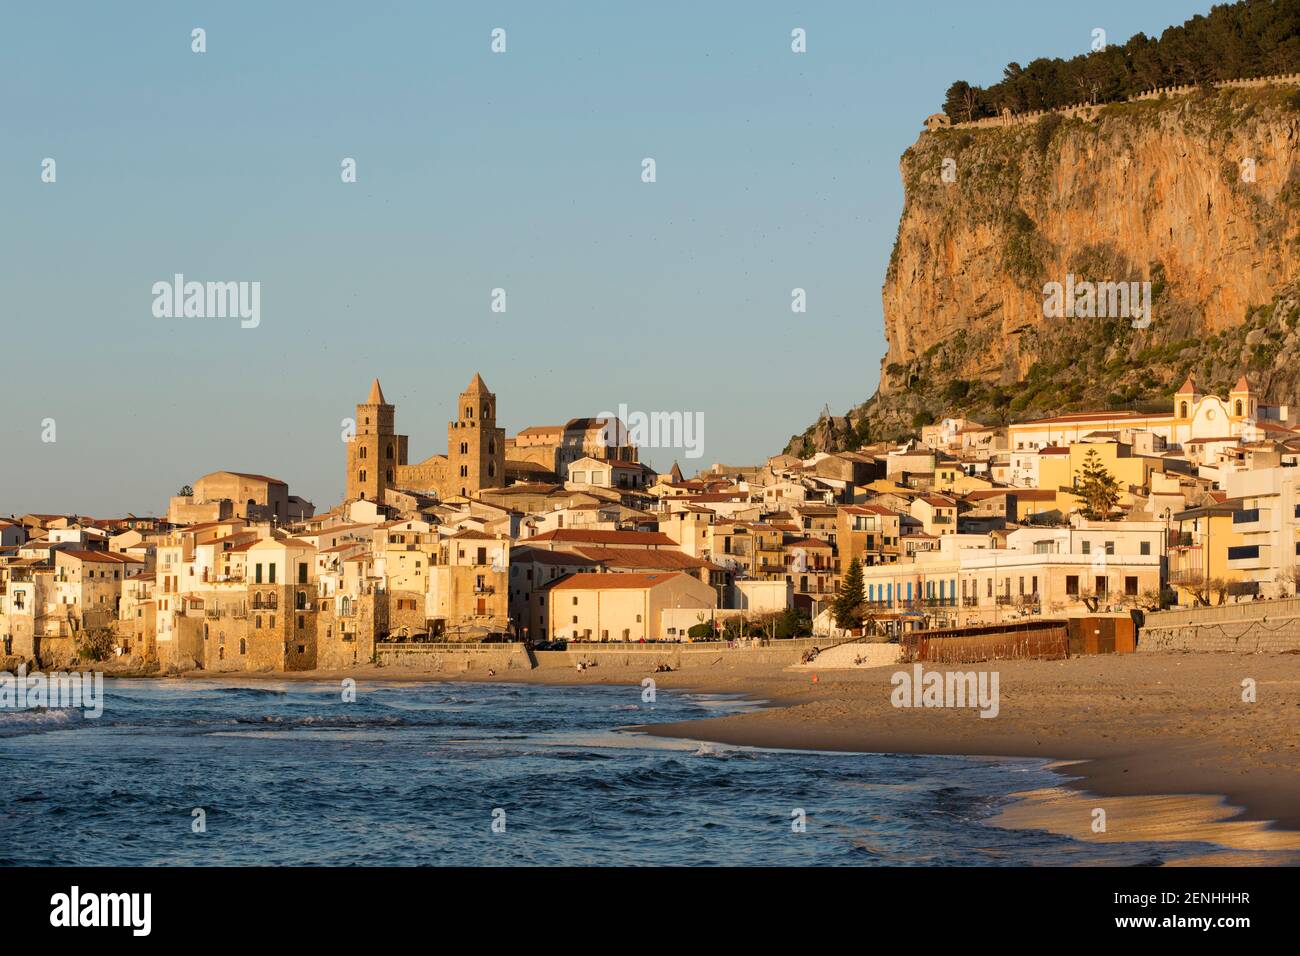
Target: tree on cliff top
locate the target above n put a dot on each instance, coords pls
(1234, 41)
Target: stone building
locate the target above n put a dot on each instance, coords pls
(475, 458)
(376, 451)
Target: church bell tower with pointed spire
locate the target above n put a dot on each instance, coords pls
(476, 449)
(375, 451)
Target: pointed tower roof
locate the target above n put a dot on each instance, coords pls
(376, 394)
(1189, 387)
(1242, 385)
(676, 473)
(477, 384)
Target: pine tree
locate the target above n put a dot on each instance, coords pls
(1097, 487)
(847, 606)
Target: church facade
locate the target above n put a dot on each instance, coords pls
(475, 458)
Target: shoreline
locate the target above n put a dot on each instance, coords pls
(1161, 742)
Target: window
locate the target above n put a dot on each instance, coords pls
(575, 602)
(1110, 547)
(362, 452)
(302, 572)
(271, 573)
(257, 573)
(1244, 553)
(1145, 547)
(1131, 586)
(1087, 547)
(1072, 585)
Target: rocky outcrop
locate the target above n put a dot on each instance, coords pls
(1197, 195)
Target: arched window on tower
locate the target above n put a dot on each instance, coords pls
(362, 452)
(390, 452)
(492, 446)
(1238, 407)
(1183, 412)
(469, 411)
(361, 476)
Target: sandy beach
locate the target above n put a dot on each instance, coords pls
(1163, 743)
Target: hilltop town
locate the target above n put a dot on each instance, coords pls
(561, 535)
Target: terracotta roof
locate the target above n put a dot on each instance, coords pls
(579, 535)
(868, 510)
(634, 558)
(807, 543)
(244, 474)
(523, 554)
(613, 582)
(101, 557)
(1084, 417)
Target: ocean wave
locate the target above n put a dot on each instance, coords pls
(39, 720)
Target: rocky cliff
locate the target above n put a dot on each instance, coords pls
(1199, 196)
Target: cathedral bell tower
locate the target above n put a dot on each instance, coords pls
(375, 451)
(476, 450)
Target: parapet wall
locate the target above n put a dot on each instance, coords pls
(1089, 110)
(1251, 627)
(453, 658)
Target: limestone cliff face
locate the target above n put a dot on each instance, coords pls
(1200, 196)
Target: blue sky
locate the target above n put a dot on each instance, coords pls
(475, 171)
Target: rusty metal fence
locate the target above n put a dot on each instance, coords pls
(1041, 640)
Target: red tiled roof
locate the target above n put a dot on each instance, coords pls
(101, 557)
(613, 582)
(579, 535)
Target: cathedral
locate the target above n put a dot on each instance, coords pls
(475, 459)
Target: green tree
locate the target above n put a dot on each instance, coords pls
(847, 606)
(1097, 487)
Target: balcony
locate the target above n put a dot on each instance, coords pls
(1250, 519)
